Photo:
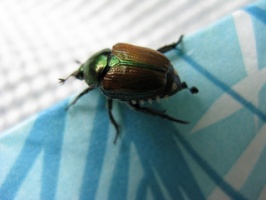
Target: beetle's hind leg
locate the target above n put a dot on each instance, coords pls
(151, 111)
(110, 106)
(193, 90)
(169, 47)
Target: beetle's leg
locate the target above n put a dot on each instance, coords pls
(151, 111)
(169, 47)
(193, 90)
(77, 97)
(110, 106)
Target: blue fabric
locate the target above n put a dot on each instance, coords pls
(221, 153)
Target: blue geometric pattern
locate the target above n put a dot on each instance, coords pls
(221, 154)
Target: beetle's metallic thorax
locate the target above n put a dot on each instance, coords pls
(94, 67)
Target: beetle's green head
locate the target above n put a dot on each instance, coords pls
(91, 71)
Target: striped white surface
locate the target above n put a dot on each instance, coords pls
(41, 39)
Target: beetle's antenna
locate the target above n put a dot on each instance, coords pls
(78, 62)
(62, 80)
(75, 73)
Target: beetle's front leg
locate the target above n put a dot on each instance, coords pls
(169, 47)
(110, 106)
(77, 97)
(151, 111)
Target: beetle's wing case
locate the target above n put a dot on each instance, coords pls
(150, 58)
(140, 73)
(132, 83)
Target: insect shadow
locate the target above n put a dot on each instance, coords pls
(150, 158)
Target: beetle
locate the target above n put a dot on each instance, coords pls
(132, 74)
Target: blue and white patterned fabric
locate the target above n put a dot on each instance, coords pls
(221, 154)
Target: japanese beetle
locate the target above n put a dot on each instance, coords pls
(131, 74)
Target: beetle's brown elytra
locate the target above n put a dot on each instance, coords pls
(132, 74)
